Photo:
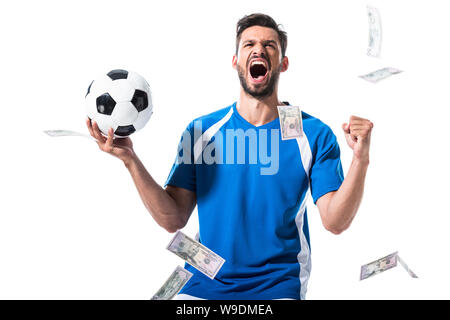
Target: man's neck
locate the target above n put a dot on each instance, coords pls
(258, 112)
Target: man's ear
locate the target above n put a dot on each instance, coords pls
(284, 64)
(234, 62)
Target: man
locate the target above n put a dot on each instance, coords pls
(252, 209)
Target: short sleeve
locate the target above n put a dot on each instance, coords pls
(182, 173)
(326, 170)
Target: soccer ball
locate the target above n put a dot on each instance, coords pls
(120, 100)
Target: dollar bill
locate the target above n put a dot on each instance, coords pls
(290, 122)
(383, 264)
(66, 133)
(173, 284)
(378, 266)
(380, 74)
(196, 254)
(374, 32)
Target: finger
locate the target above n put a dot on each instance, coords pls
(366, 124)
(350, 140)
(355, 118)
(97, 134)
(89, 126)
(360, 128)
(361, 121)
(345, 127)
(359, 132)
(109, 145)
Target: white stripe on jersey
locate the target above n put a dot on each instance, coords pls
(201, 143)
(304, 256)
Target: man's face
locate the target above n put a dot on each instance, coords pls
(259, 61)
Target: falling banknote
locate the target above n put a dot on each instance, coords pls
(404, 265)
(66, 133)
(382, 265)
(290, 122)
(379, 75)
(173, 285)
(196, 254)
(374, 32)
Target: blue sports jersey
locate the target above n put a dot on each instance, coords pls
(251, 189)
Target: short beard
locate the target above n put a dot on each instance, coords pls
(261, 92)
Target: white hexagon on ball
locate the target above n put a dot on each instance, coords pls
(121, 100)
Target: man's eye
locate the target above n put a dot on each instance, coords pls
(248, 45)
(270, 45)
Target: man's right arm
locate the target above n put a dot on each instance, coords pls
(170, 207)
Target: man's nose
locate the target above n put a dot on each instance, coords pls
(259, 50)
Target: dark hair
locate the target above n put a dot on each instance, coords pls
(263, 20)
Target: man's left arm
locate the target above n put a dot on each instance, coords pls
(338, 208)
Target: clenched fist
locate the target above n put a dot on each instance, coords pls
(357, 133)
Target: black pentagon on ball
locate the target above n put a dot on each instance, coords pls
(140, 100)
(105, 104)
(124, 131)
(118, 74)
(89, 89)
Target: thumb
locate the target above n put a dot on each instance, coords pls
(346, 127)
(350, 139)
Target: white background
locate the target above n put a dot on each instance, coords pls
(72, 225)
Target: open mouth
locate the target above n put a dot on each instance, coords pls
(258, 70)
